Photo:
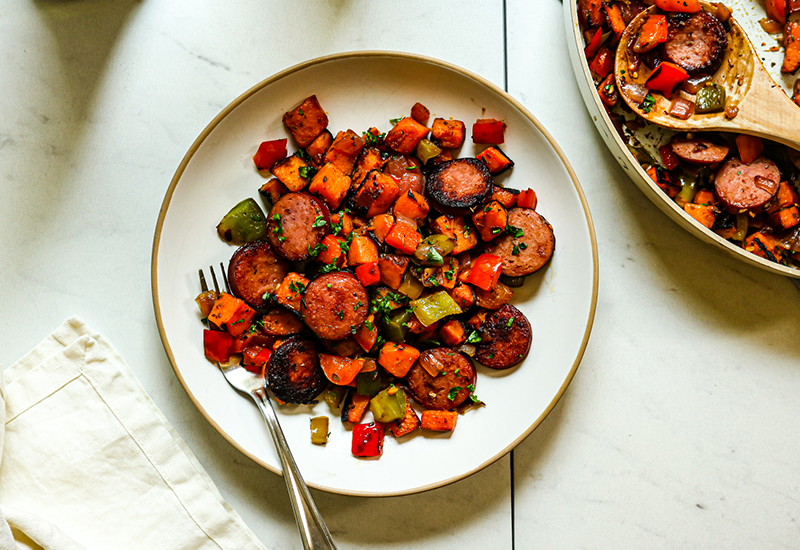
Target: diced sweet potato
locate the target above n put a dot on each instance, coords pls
(290, 292)
(408, 423)
(232, 314)
(704, 196)
(412, 205)
(453, 332)
(448, 134)
(317, 148)
(439, 421)
(705, 214)
(785, 218)
(377, 193)
(490, 220)
(497, 161)
(506, 197)
(288, 171)
(344, 150)
(354, 407)
(464, 296)
(420, 113)
(272, 190)
(380, 226)
(457, 229)
(405, 135)
(367, 334)
(763, 245)
(306, 121)
(392, 268)
(331, 184)
(363, 250)
(368, 159)
(397, 359)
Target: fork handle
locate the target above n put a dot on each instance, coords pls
(312, 528)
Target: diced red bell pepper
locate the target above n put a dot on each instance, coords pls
(602, 63)
(368, 274)
(607, 90)
(653, 33)
(217, 345)
(527, 199)
(368, 439)
(488, 130)
(485, 271)
(256, 355)
(667, 78)
(594, 44)
(685, 6)
(791, 41)
(614, 17)
(270, 152)
(776, 9)
(404, 237)
(668, 156)
(253, 337)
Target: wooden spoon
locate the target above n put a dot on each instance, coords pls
(762, 108)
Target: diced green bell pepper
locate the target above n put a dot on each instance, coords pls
(395, 325)
(434, 307)
(710, 99)
(319, 430)
(387, 407)
(243, 224)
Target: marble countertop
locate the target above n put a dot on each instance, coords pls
(680, 427)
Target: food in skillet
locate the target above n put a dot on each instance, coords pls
(383, 266)
(741, 187)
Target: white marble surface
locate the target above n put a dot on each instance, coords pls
(680, 427)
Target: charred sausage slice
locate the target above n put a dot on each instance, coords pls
(696, 41)
(742, 186)
(291, 228)
(460, 185)
(435, 392)
(699, 150)
(294, 374)
(508, 337)
(335, 305)
(531, 250)
(254, 270)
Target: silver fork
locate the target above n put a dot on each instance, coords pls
(313, 531)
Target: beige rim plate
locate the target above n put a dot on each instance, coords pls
(747, 13)
(359, 90)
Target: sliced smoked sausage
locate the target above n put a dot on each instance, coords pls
(508, 338)
(699, 150)
(254, 270)
(742, 186)
(335, 305)
(294, 374)
(459, 186)
(448, 389)
(291, 223)
(528, 252)
(695, 41)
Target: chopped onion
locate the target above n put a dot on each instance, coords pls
(635, 92)
(791, 241)
(369, 365)
(431, 364)
(694, 83)
(767, 184)
(723, 13)
(465, 348)
(770, 26)
(681, 108)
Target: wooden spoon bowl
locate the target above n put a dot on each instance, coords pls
(754, 103)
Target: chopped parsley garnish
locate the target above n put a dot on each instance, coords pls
(368, 325)
(282, 239)
(266, 296)
(412, 167)
(314, 252)
(301, 112)
(371, 140)
(510, 322)
(340, 314)
(394, 121)
(297, 287)
(434, 257)
(648, 103)
(307, 172)
(496, 230)
(451, 395)
(318, 222)
(327, 268)
(515, 250)
(515, 232)
(358, 305)
(473, 338)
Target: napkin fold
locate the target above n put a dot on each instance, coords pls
(88, 461)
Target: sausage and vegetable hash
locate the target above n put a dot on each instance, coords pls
(741, 187)
(382, 267)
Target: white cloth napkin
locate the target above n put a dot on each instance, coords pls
(89, 463)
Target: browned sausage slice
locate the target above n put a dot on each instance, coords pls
(335, 305)
(460, 185)
(509, 336)
(747, 186)
(696, 41)
(699, 150)
(291, 228)
(531, 250)
(294, 374)
(435, 392)
(255, 270)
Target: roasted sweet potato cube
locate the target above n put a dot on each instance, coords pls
(420, 113)
(330, 184)
(454, 332)
(448, 134)
(290, 292)
(377, 193)
(491, 220)
(368, 159)
(412, 205)
(272, 190)
(506, 197)
(317, 148)
(464, 296)
(405, 135)
(763, 245)
(440, 421)
(306, 121)
(344, 150)
(408, 423)
(457, 229)
(392, 268)
(495, 159)
(288, 171)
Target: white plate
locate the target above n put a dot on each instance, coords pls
(747, 13)
(359, 90)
